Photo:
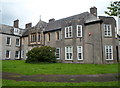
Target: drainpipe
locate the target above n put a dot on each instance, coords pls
(20, 46)
(101, 42)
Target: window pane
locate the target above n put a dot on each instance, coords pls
(16, 54)
(107, 30)
(8, 40)
(108, 52)
(68, 32)
(68, 52)
(17, 41)
(58, 53)
(7, 54)
(39, 37)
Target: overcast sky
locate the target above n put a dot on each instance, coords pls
(30, 10)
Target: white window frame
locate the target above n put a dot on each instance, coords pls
(19, 41)
(9, 54)
(68, 30)
(18, 55)
(108, 52)
(68, 51)
(80, 50)
(79, 34)
(9, 42)
(58, 53)
(107, 30)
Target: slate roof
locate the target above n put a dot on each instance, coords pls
(52, 25)
(6, 29)
(9, 29)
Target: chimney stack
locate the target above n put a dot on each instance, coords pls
(51, 20)
(93, 11)
(16, 23)
(28, 25)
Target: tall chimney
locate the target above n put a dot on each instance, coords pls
(16, 23)
(28, 25)
(93, 11)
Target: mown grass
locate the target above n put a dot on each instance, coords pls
(26, 83)
(19, 66)
(0, 65)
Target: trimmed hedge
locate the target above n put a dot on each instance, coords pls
(41, 54)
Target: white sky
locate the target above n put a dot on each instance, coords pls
(30, 10)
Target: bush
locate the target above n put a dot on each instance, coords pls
(41, 54)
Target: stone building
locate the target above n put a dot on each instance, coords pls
(10, 43)
(82, 38)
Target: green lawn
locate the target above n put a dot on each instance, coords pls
(29, 83)
(19, 66)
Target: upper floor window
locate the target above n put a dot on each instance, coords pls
(68, 32)
(79, 30)
(8, 41)
(33, 37)
(17, 42)
(58, 35)
(16, 31)
(7, 54)
(109, 52)
(69, 53)
(107, 30)
(79, 53)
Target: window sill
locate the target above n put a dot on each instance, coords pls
(17, 45)
(7, 58)
(58, 58)
(79, 59)
(17, 58)
(79, 36)
(109, 59)
(8, 44)
(69, 38)
(108, 36)
(68, 59)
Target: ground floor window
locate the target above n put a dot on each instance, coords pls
(58, 53)
(17, 54)
(22, 54)
(69, 53)
(109, 52)
(79, 53)
(7, 54)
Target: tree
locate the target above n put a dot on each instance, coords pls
(41, 54)
(114, 9)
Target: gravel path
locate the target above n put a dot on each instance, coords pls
(61, 78)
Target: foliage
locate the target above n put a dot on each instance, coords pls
(41, 54)
(19, 66)
(11, 83)
(114, 9)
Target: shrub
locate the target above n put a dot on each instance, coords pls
(41, 54)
